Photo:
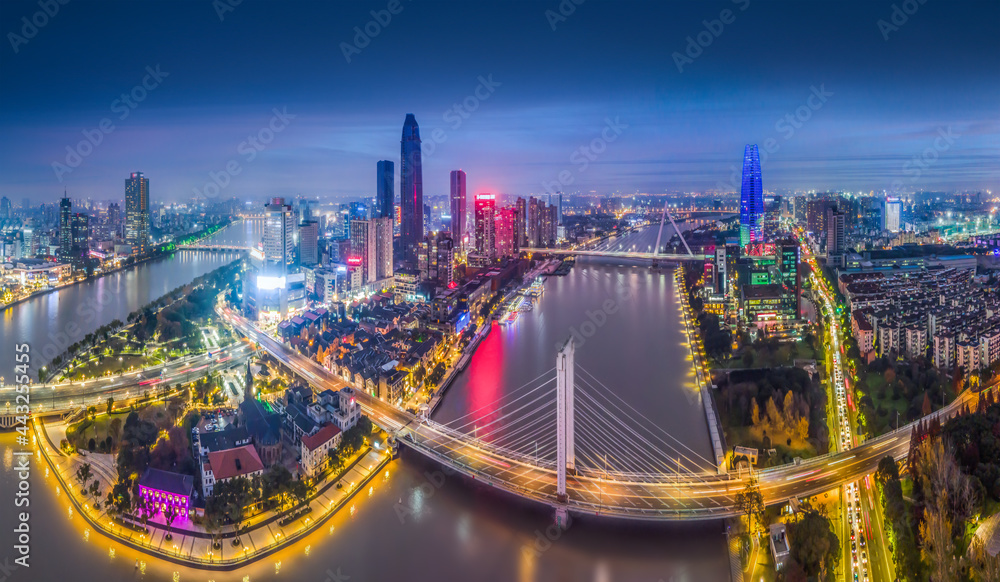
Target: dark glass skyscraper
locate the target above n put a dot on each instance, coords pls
(411, 186)
(751, 199)
(65, 228)
(385, 195)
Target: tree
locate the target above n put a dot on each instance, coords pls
(750, 502)
(84, 473)
(814, 546)
(985, 568)
(111, 403)
(169, 515)
(115, 429)
(95, 489)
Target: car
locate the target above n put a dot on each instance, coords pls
(864, 557)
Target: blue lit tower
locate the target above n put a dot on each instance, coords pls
(411, 190)
(751, 199)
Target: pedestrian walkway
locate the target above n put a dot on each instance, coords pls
(735, 564)
(190, 543)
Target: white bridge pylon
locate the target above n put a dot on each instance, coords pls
(565, 446)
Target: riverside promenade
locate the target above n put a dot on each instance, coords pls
(191, 545)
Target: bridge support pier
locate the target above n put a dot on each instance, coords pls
(565, 446)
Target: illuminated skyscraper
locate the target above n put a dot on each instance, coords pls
(411, 186)
(385, 197)
(751, 199)
(458, 207)
(137, 213)
(65, 228)
(279, 242)
(486, 226)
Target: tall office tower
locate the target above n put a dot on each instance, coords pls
(893, 214)
(6, 210)
(486, 225)
(459, 228)
(364, 249)
(279, 241)
(80, 227)
(137, 213)
(383, 247)
(309, 243)
(411, 186)
(65, 228)
(385, 193)
(504, 243)
(751, 199)
(835, 241)
(29, 235)
(520, 223)
(549, 225)
(427, 219)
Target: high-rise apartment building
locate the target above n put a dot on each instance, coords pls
(505, 245)
(411, 186)
(520, 222)
(835, 240)
(436, 258)
(80, 227)
(383, 247)
(385, 192)
(6, 209)
(137, 213)
(893, 214)
(459, 227)
(751, 199)
(485, 210)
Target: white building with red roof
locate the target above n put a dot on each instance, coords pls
(316, 449)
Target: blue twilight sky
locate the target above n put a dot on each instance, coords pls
(593, 99)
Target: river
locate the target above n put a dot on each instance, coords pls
(420, 524)
(51, 322)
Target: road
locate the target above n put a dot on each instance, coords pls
(859, 524)
(688, 496)
(47, 398)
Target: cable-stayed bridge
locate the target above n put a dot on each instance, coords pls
(566, 440)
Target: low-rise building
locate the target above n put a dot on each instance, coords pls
(780, 549)
(167, 488)
(315, 449)
(228, 464)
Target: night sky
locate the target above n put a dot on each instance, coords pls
(869, 98)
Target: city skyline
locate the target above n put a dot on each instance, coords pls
(670, 125)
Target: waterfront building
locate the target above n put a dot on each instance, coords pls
(314, 449)
(751, 199)
(137, 213)
(411, 190)
(385, 193)
(224, 465)
(459, 208)
(167, 488)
